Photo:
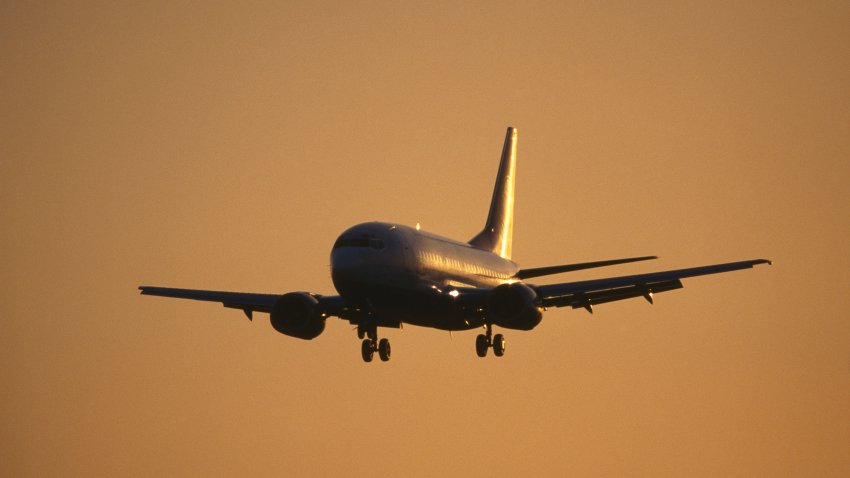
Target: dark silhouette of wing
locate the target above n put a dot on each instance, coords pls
(245, 301)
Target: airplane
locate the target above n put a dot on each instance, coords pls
(388, 274)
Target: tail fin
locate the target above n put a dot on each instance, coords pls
(498, 232)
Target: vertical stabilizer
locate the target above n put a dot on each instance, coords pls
(499, 230)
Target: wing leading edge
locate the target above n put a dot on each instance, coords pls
(585, 294)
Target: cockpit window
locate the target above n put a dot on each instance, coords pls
(363, 241)
(351, 242)
(359, 242)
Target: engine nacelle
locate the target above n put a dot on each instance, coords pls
(514, 306)
(297, 314)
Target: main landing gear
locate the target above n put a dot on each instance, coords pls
(371, 344)
(487, 339)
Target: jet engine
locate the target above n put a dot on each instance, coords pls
(297, 314)
(514, 306)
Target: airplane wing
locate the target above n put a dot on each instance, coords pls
(586, 294)
(246, 302)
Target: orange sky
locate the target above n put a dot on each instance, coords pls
(226, 147)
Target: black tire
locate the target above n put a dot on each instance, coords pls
(481, 345)
(499, 345)
(367, 350)
(384, 349)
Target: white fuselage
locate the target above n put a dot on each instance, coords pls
(396, 271)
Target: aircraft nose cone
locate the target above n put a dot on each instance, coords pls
(346, 269)
(347, 258)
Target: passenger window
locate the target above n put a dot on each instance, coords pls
(377, 244)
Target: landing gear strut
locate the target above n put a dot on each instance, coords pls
(487, 339)
(371, 344)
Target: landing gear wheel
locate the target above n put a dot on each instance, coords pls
(481, 345)
(384, 349)
(367, 350)
(499, 345)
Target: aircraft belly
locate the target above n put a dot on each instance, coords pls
(394, 305)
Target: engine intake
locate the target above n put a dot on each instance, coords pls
(514, 306)
(297, 314)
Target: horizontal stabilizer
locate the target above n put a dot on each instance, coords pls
(545, 271)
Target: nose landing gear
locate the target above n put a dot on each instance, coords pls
(487, 339)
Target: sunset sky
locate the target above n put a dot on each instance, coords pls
(225, 146)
